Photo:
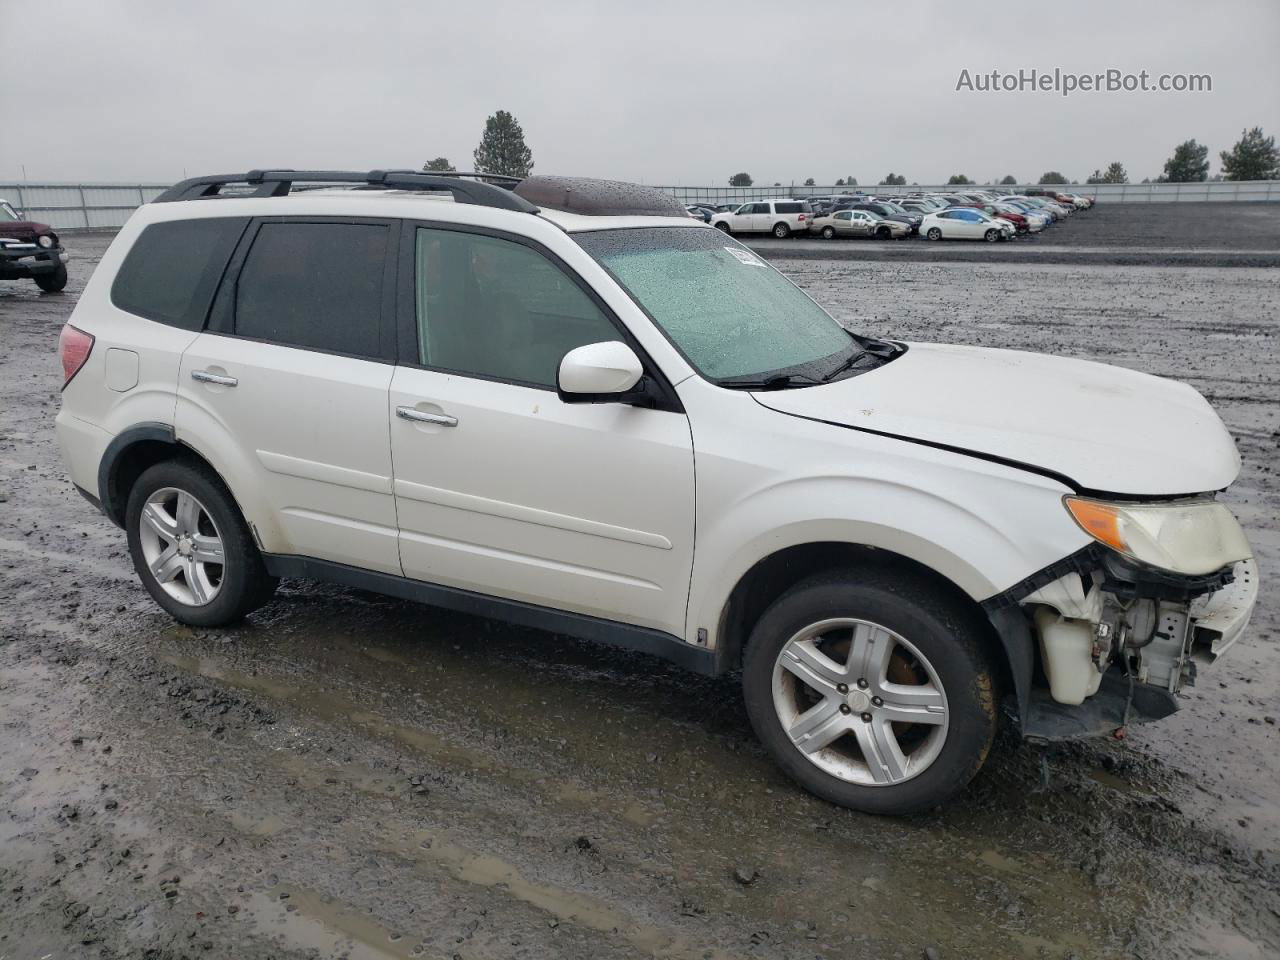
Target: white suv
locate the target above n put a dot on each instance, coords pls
(781, 217)
(567, 405)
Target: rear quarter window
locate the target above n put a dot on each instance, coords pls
(171, 271)
(787, 207)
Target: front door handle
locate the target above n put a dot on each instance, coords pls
(419, 416)
(204, 376)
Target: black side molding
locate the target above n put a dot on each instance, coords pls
(641, 639)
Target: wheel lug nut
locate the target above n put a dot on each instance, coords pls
(842, 687)
(845, 708)
(862, 684)
(866, 718)
(877, 701)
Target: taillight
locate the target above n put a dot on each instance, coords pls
(802, 217)
(73, 350)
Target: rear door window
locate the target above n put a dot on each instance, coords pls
(315, 285)
(172, 269)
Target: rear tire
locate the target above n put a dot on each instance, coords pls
(52, 282)
(781, 231)
(934, 233)
(922, 655)
(192, 585)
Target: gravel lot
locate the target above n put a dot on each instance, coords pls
(347, 775)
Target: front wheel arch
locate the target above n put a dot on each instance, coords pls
(771, 577)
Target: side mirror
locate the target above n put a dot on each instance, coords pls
(599, 373)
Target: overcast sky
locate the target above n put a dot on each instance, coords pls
(686, 92)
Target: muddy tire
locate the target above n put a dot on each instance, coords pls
(191, 547)
(781, 231)
(829, 233)
(934, 233)
(871, 690)
(52, 282)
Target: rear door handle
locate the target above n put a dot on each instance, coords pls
(419, 416)
(204, 376)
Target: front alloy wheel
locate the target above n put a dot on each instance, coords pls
(860, 702)
(873, 688)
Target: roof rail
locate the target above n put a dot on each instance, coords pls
(279, 183)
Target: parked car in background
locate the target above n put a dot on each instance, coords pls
(30, 250)
(700, 213)
(885, 210)
(965, 223)
(858, 223)
(781, 217)
(1005, 211)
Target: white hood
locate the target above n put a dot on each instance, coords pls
(1105, 428)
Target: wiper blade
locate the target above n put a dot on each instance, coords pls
(781, 382)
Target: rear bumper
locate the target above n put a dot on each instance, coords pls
(83, 445)
(27, 260)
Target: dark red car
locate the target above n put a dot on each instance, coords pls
(30, 251)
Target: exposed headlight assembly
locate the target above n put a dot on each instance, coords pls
(45, 240)
(1192, 538)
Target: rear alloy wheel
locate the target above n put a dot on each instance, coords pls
(829, 233)
(991, 236)
(781, 231)
(871, 691)
(934, 233)
(191, 547)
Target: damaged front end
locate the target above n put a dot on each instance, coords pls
(1109, 635)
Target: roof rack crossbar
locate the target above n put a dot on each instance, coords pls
(464, 187)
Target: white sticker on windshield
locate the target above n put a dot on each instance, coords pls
(745, 257)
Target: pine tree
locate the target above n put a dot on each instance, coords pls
(1254, 157)
(1189, 164)
(502, 148)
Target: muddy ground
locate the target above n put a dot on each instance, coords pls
(346, 775)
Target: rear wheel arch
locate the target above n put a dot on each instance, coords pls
(134, 451)
(774, 575)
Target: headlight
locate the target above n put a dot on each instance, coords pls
(45, 240)
(1192, 538)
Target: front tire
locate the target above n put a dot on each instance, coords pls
(52, 282)
(723, 227)
(991, 236)
(781, 231)
(871, 691)
(829, 233)
(884, 233)
(191, 547)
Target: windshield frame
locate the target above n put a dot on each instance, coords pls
(810, 373)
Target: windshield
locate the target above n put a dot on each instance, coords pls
(7, 212)
(731, 314)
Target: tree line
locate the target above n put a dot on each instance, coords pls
(1253, 157)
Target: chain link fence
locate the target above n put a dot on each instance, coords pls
(106, 206)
